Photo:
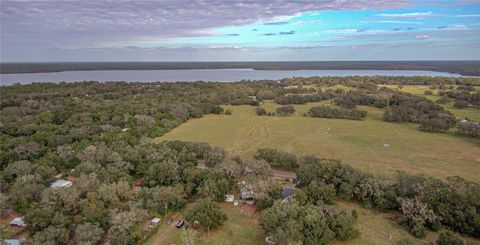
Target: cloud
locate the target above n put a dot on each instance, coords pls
(422, 36)
(467, 16)
(400, 22)
(417, 15)
(286, 33)
(277, 23)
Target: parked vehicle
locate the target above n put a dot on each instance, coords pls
(180, 223)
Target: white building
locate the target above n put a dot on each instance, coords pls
(60, 184)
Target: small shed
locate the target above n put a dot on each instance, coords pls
(229, 198)
(61, 184)
(18, 222)
(155, 221)
(12, 242)
(386, 145)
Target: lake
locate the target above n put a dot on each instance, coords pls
(220, 75)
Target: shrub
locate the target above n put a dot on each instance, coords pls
(328, 112)
(285, 110)
(447, 237)
(428, 92)
(228, 112)
(460, 104)
(260, 111)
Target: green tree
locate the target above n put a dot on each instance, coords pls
(207, 213)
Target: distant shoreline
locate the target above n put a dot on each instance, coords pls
(465, 68)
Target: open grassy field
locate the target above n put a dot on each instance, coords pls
(359, 143)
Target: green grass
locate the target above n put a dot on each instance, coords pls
(359, 143)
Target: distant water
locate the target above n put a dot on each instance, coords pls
(220, 75)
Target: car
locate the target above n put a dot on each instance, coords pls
(180, 223)
(169, 221)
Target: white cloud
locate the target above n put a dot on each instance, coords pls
(417, 15)
(400, 22)
(422, 36)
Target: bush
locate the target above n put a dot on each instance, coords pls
(428, 92)
(418, 229)
(405, 241)
(443, 100)
(285, 110)
(447, 237)
(328, 112)
(469, 128)
(260, 111)
(228, 112)
(460, 104)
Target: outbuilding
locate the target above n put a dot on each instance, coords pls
(155, 221)
(229, 198)
(61, 184)
(12, 242)
(18, 222)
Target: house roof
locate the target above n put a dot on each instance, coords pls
(155, 220)
(284, 174)
(17, 221)
(287, 192)
(60, 184)
(12, 242)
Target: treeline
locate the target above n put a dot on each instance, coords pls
(329, 112)
(462, 98)
(303, 99)
(424, 202)
(401, 107)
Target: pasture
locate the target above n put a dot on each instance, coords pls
(359, 143)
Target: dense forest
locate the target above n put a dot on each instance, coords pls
(99, 136)
(466, 68)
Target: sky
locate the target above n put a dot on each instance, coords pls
(233, 30)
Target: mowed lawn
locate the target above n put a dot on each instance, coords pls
(359, 143)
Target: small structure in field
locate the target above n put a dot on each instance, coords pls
(155, 221)
(17, 222)
(386, 145)
(61, 183)
(229, 198)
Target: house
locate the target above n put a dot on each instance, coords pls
(246, 192)
(229, 198)
(12, 242)
(155, 221)
(60, 184)
(18, 222)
